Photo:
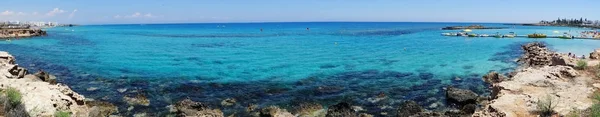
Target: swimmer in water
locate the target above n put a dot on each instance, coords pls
(308, 29)
(261, 29)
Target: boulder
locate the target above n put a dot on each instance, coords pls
(536, 54)
(461, 96)
(46, 77)
(409, 108)
(32, 78)
(595, 54)
(342, 109)
(468, 109)
(493, 77)
(101, 109)
(187, 108)
(17, 71)
(309, 110)
(139, 99)
(79, 99)
(228, 102)
(563, 60)
(273, 111)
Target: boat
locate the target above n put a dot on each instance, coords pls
(484, 35)
(446, 34)
(472, 35)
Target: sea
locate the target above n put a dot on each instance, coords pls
(374, 65)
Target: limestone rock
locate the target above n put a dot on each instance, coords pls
(189, 108)
(228, 102)
(274, 111)
(595, 54)
(101, 109)
(310, 110)
(461, 96)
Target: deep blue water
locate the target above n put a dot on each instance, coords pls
(284, 65)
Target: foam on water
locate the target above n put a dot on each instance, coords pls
(328, 63)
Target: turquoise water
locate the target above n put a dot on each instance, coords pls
(211, 62)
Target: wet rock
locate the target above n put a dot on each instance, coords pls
(468, 109)
(46, 77)
(273, 111)
(100, 109)
(342, 109)
(92, 89)
(461, 96)
(493, 77)
(595, 54)
(365, 115)
(189, 108)
(309, 110)
(329, 89)
(228, 102)
(122, 90)
(409, 108)
(139, 99)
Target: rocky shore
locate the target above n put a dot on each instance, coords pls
(40, 94)
(545, 77)
(18, 33)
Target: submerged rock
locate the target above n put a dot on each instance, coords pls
(189, 108)
(273, 111)
(309, 110)
(228, 102)
(137, 100)
(342, 109)
(101, 109)
(409, 108)
(461, 96)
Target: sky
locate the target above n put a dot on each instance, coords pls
(217, 11)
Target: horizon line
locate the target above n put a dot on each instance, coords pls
(259, 22)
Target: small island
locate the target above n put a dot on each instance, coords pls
(470, 27)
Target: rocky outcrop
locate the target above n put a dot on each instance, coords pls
(309, 110)
(274, 111)
(409, 108)
(595, 54)
(493, 77)
(24, 32)
(536, 54)
(189, 108)
(39, 98)
(341, 110)
(461, 97)
(543, 74)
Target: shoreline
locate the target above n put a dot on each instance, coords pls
(459, 104)
(544, 77)
(7, 34)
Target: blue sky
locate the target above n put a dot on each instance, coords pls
(207, 11)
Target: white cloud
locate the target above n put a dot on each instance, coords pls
(148, 15)
(34, 13)
(135, 15)
(55, 11)
(72, 14)
(7, 13)
(21, 13)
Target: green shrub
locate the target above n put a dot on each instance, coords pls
(62, 114)
(14, 96)
(581, 65)
(595, 110)
(546, 106)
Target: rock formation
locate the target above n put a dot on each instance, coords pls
(189, 108)
(540, 76)
(41, 97)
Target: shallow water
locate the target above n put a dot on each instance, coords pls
(285, 64)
